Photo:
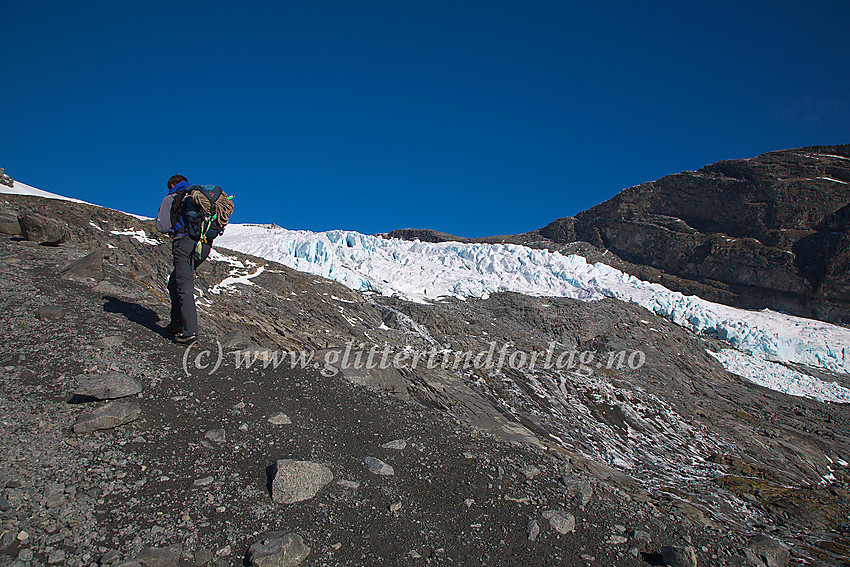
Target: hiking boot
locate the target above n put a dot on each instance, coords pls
(185, 340)
(173, 328)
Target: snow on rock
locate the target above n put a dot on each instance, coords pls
(139, 235)
(421, 271)
(780, 378)
(24, 189)
(237, 276)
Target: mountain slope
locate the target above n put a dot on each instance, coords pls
(671, 450)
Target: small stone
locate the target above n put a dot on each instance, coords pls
(224, 551)
(23, 536)
(113, 341)
(350, 484)
(617, 540)
(7, 539)
(243, 427)
(532, 529)
(469, 502)
(4, 504)
(203, 556)
(395, 506)
(279, 418)
(579, 491)
(295, 481)
(54, 495)
(56, 557)
(49, 313)
(378, 466)
(216, 435)
(239, 406)
(530, 471)
(414, 554)
(108, 416)
(640, 538)
(337, 546)
(206, 481)
(109, 557)
(397, 445)
(278, 549)
(676, 556)
(25, 555)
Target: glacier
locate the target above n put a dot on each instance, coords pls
(423, 271)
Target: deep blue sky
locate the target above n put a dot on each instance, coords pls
(471, 117)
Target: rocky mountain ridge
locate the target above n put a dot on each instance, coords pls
(674, 461)
(772, 231)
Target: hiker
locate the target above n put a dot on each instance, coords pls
(192, 229)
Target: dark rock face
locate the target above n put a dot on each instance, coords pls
(425, 235)
(773, 230)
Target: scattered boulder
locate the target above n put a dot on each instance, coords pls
(107, 386)
(676, 556)
(396, 445)
(532, 529)
(43, 230)
(160, 556)
(88, 269)
(278, 549)
(378, 466)
(769, 551)
(49, 313)
(295, 481)
(561, 521)
(108, 416)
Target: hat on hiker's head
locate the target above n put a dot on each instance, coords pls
(174, 180)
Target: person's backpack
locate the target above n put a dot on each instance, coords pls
(202, 212)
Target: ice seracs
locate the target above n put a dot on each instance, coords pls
(422, 271)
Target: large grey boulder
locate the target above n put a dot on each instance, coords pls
(9, 225)
(43, 230)
(107, 386)
(278, 549)
(295, 481)
(88, 269)
(108, 416)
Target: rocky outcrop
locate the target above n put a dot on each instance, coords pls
(772, 231)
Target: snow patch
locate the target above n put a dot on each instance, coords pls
(139, 235)
(236, 278)
(780, 378)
